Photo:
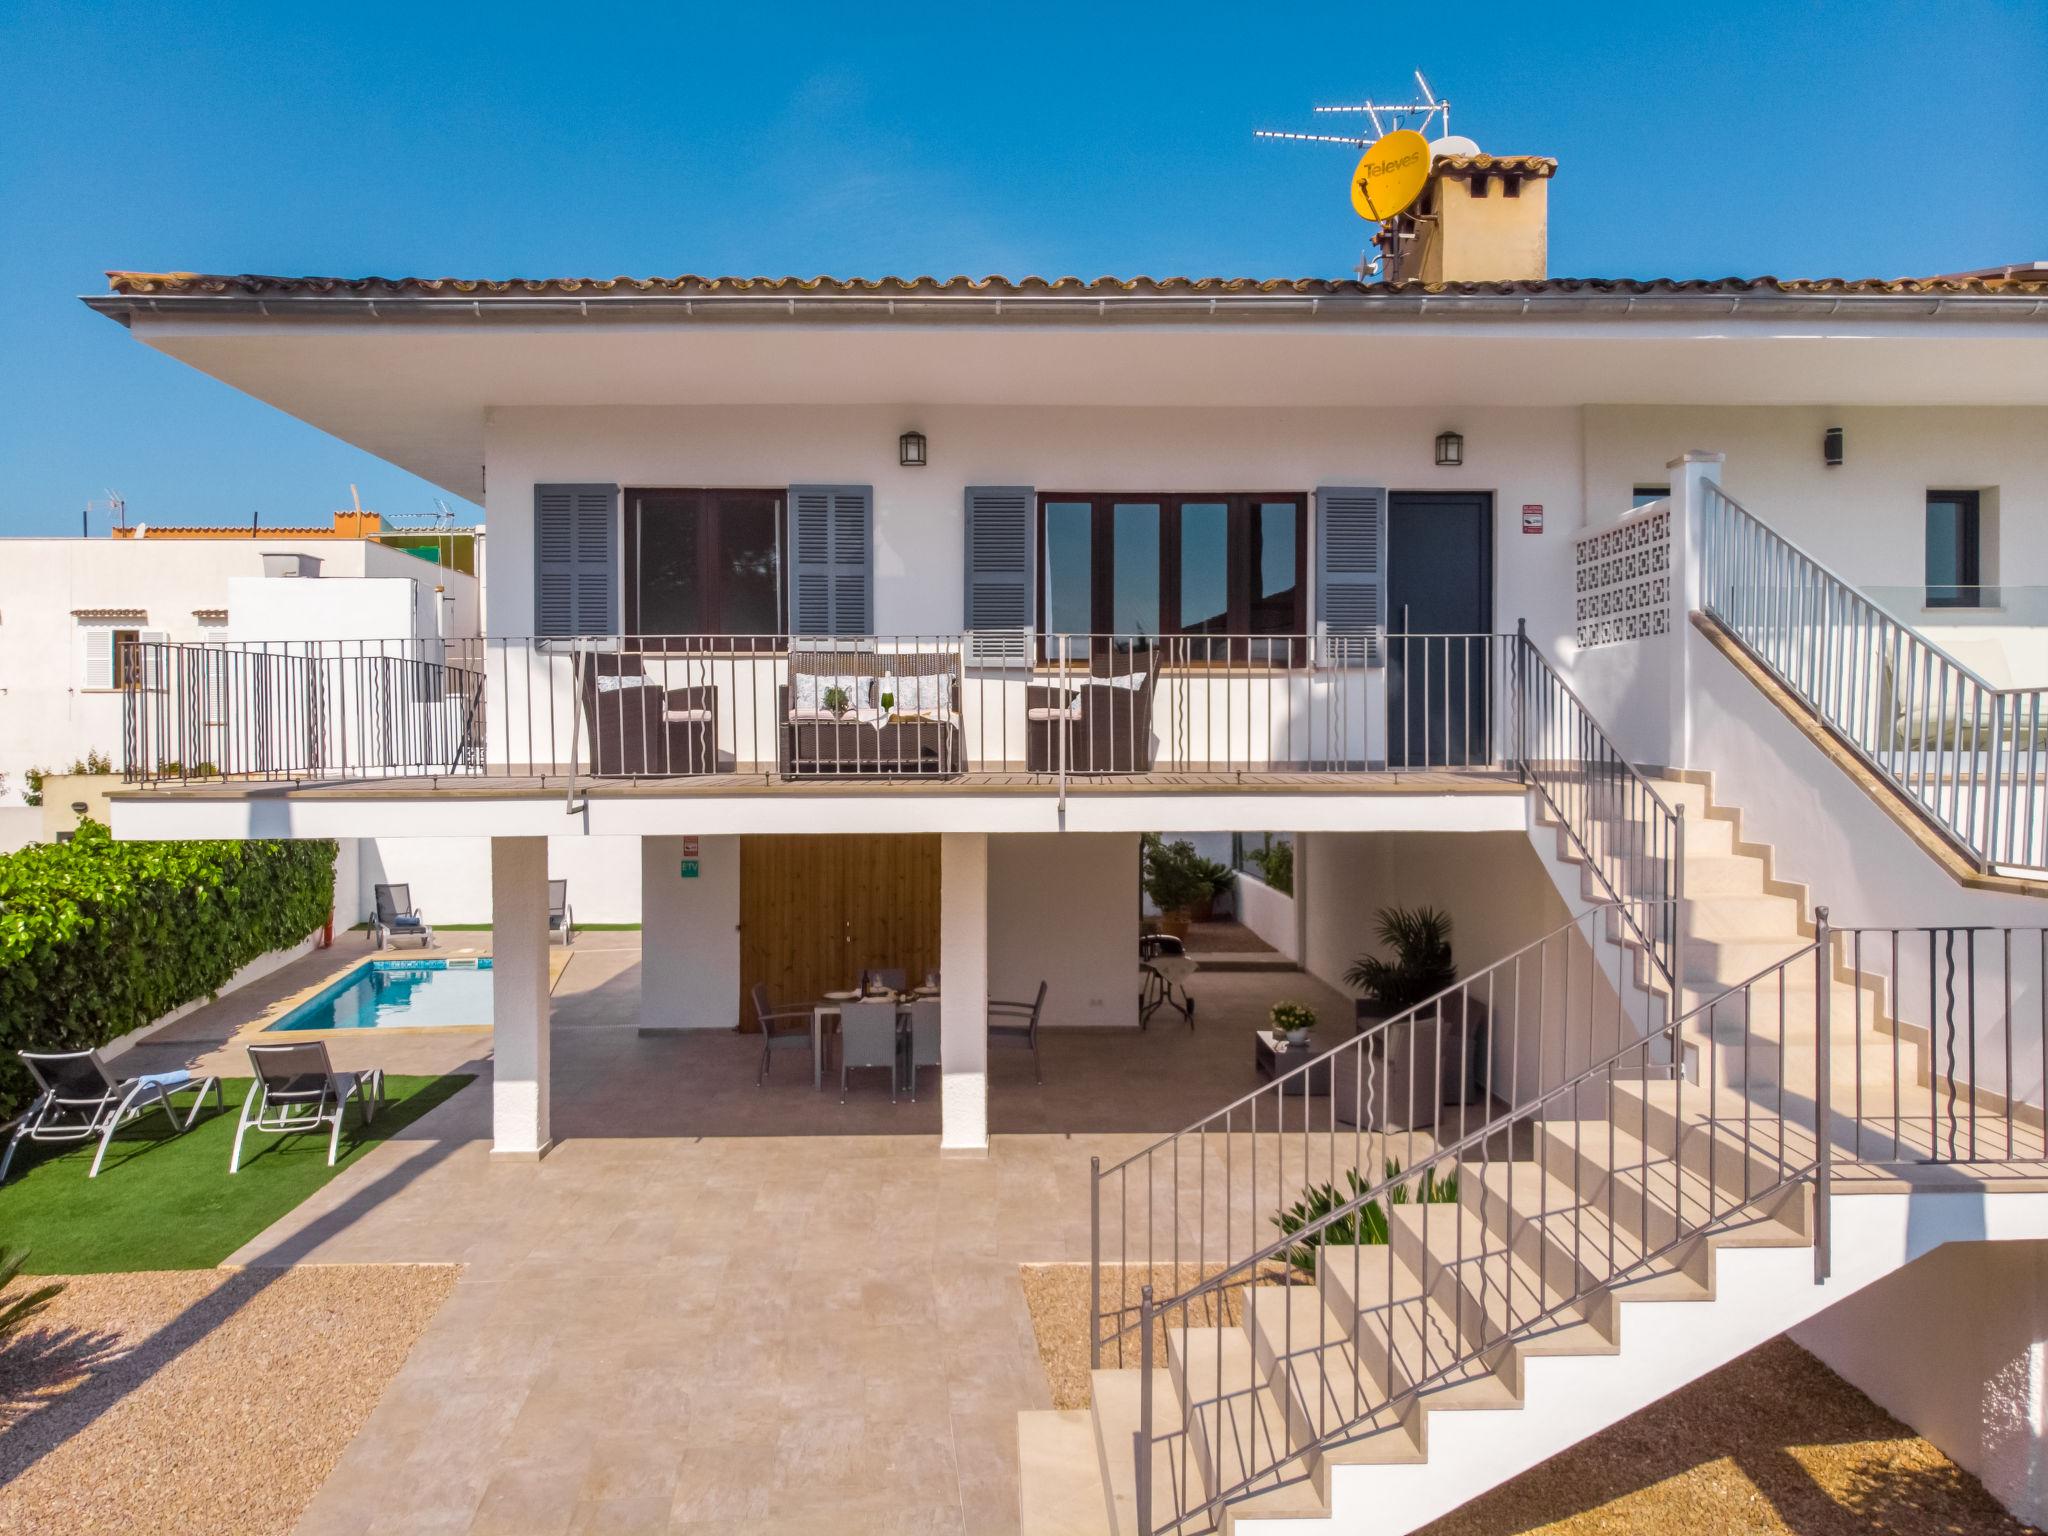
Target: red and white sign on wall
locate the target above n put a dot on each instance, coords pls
(1532, 517)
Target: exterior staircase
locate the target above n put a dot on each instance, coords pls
(1624, 1233)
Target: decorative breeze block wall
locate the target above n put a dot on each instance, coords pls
(1624, 581)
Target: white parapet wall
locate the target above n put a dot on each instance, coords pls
(1268, 913)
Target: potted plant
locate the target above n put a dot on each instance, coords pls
(1173, 881)
(1215, 880)
(1419, 964)
(1293, 1020)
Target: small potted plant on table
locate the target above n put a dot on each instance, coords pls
(1292, 1021)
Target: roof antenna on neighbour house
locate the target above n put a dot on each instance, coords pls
(112, 505)
(1386, 180)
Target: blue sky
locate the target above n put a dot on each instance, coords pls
(1796, 139)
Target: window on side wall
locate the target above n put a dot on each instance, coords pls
(113, 657)
(1221, 571)
(1643, 495)
(1955, 572)
(705, 564)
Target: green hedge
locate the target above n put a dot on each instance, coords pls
(98, 938)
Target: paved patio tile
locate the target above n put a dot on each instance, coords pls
(715, 1307)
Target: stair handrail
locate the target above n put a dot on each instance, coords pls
(1398, 1188)
(1664, 824)
(1347, 1055)
(1897, 700)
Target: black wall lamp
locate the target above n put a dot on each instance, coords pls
(1450, 449)
(910, 450)
(1831, 447)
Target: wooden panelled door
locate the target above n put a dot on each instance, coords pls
(816, 911)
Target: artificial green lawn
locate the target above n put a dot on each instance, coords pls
(165, 1201)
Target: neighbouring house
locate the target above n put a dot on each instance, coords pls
(1682, 639)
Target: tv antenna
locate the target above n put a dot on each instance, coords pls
(1383, 118)
(112, 505)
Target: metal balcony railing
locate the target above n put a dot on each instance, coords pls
(1037, 710)
(1969, 757)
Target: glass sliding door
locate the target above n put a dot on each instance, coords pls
(704, 563)
(1199, 565)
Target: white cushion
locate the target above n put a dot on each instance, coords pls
(851, 717)
(1071, 712)
(923, 694)
(1131, 680)
(687, 716)
(808, 689)
(615, 684)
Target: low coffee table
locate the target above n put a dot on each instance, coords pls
(1274, 1057)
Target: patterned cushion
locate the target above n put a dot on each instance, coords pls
(927, 694)
(615, 684)
(808, 690)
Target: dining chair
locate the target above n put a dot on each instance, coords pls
(867, 1038)
(782, 1029)
(924, 1039)
(1017, 1024)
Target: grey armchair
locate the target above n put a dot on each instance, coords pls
(923, 1042)
(867, 1038)
(561, 916)
(1017, 1024)
(782, 1029)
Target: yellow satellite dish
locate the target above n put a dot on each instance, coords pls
(1390, 175)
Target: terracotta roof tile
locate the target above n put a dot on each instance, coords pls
(2010, 280)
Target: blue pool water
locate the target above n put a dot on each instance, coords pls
(399, 994)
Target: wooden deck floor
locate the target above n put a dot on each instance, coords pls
(496, 786)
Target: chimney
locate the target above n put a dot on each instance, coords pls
(1480, 219)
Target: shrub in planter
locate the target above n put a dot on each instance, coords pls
(1174, 880)
(1421, 963)
(98, 938)
(1365, 1226)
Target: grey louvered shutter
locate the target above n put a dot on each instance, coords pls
(575, 563)
(831, 559)
(998, 579)
(1351, 545)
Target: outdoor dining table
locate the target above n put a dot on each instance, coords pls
(830, 1006)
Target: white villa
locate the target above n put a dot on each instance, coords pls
(1684, 640)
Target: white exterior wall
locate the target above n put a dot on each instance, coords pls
(690, 944)
(1063, 908)
(1519, 455)
(451, 876)
(48, 717)
(1972, 1378)
(1269, 914)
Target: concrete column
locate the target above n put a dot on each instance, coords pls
(963, 991)
(519, 997)
(1691, 473)
(690, 933)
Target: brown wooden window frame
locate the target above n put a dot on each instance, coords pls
(1238, 576)
(707, 562)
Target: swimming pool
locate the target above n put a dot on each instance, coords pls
(399, 994)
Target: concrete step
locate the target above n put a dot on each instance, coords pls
(1500, 1303)
(1757, 916)
(1237, 1427)
(1570, 1242)
(1651, 1193)
(1735, 1163)
(1059, 1475)
(1304, 1348)
(1406, 1339)
(1116, 1412)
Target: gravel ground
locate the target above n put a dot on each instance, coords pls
(198, 1400)
(1773, 1444)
